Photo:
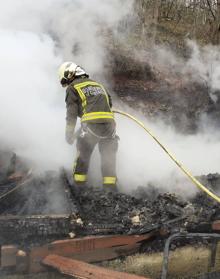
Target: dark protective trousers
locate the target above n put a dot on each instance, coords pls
(102, 134)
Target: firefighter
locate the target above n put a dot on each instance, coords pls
(89, 100)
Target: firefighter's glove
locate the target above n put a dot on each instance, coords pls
(70, 137)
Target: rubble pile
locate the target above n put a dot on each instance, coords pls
(141, 215)
(35, 204)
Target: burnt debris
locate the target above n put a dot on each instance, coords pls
(48, 206)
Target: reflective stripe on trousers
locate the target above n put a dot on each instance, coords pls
(79, 177)
(109, 180)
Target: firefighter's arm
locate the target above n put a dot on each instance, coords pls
(71, 115)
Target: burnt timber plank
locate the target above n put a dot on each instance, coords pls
(15, 228)
(78, 269)
(88, 249)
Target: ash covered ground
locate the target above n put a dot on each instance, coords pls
(105, 212)
(100, 211)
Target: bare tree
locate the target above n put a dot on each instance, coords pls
(218, 23)
(198, 19)
(148, 11)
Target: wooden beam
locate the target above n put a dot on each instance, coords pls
(88, 249)
(78, 269)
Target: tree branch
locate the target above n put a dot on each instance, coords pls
(210, 7)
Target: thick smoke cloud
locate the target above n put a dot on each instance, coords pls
(146, 163)
(197, 152)
(31, 118)
(35, 37)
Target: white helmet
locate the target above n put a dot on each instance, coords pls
(68, 71)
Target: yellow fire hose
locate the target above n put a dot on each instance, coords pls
(191, 177)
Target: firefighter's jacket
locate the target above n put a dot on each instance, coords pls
(88, 100)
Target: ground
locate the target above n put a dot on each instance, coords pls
(158, 94)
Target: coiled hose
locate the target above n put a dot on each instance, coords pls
(191, 177)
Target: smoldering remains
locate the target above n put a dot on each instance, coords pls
(31, 212)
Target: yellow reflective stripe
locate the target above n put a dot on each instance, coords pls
(82, 96)
(97, 115)
(109, 180)
(80, 177)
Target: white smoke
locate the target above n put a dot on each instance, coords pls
(205, 65)
(35, 37)
(142, 161)
(75, 25)
(202, 66)
(31, 115)
(145, 161)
